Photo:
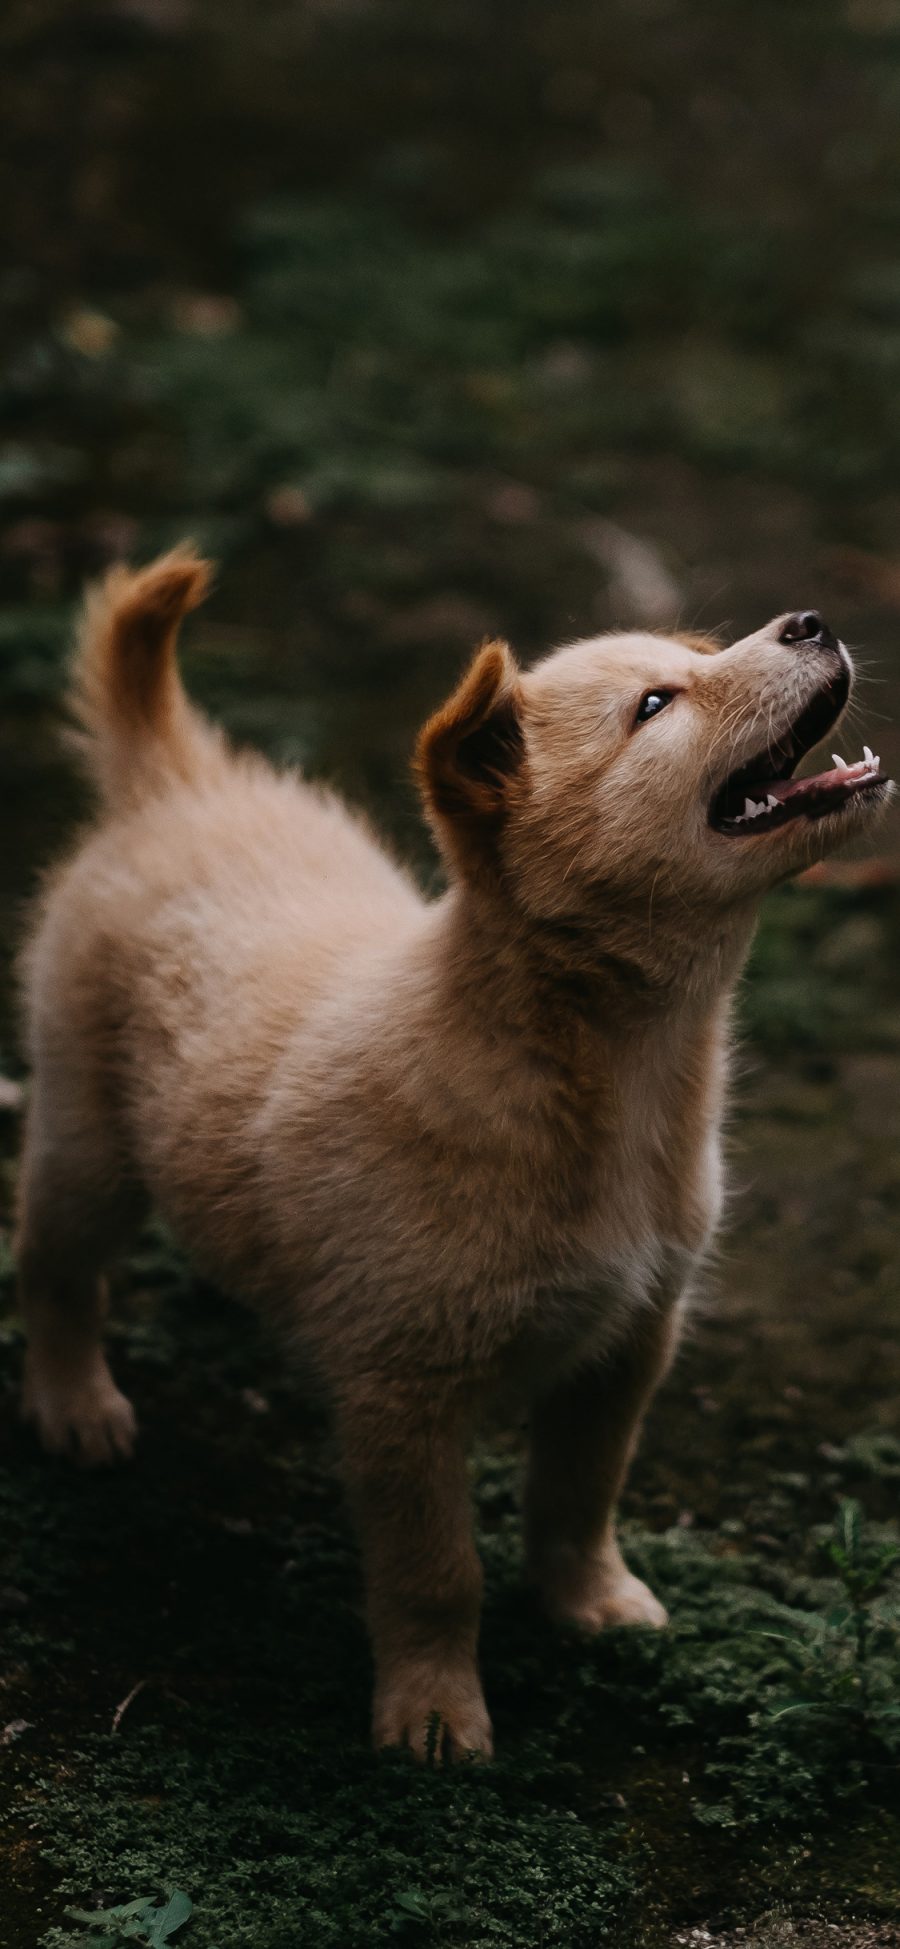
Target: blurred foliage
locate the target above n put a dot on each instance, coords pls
(491, 258)
(822, 979)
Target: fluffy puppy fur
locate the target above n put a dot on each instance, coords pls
(461, 1151)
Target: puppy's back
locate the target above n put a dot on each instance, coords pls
(210, 888)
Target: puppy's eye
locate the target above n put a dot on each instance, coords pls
(651, 705)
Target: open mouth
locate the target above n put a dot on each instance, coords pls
(764, 794)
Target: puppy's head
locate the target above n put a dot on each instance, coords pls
(639, 767)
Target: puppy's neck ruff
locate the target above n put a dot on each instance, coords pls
(562, 1037)
(630, 967)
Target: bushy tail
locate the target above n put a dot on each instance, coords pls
(136, 726)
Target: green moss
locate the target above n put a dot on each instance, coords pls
(219, 1577)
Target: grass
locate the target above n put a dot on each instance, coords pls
(221, 1578)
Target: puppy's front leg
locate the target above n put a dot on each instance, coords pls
(582, 1436)
(405, 1458)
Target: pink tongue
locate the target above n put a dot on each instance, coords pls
(823, 781)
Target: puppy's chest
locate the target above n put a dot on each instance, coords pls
(646, 1218)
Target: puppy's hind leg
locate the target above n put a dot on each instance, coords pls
(76, 1212)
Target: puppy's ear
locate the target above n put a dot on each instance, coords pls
(470, 753)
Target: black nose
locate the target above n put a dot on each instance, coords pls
(808, 627)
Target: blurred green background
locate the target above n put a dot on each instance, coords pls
(433, 323)
(406, 313)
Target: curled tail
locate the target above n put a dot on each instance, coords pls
(136, 726)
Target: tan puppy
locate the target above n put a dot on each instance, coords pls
(459, 1151)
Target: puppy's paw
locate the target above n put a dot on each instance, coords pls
(598, 1593)
(84, 1418)
(437, 1715)
(628, 1601)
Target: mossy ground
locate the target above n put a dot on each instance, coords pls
(395, 314)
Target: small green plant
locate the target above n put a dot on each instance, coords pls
(143, 1921)
(417, 1909)
(848, 1663)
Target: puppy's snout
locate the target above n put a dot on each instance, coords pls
(808, 627)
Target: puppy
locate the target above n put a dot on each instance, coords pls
(460, 1151)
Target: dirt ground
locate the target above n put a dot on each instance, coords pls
(770, 1932)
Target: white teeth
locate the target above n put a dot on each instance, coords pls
(868, 762)
(857, 771)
